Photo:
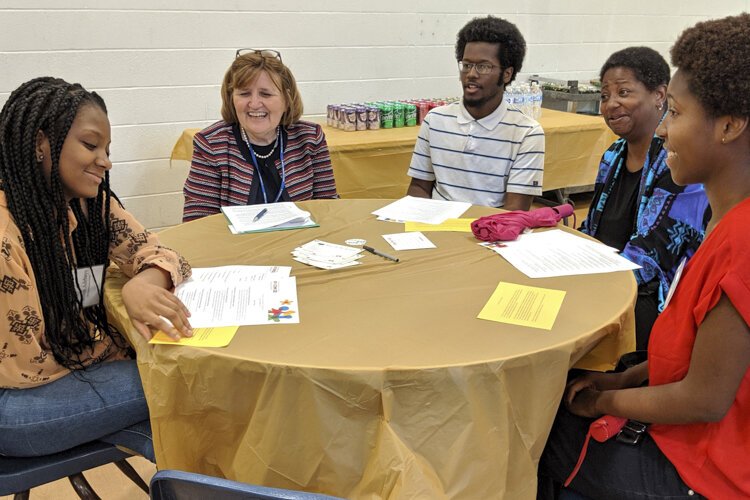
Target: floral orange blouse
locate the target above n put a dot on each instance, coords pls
(25, 358)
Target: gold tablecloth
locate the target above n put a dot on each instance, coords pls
(389, 387)
(373, 163)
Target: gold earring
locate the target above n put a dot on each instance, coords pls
(723, 140)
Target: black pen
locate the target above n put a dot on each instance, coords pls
(380, 254)
(260, 214)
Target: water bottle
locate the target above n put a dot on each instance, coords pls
(528, 100)
(518, 99)
(538, 96)
(509, 94)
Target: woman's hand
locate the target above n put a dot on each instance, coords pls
(582, 394)
(591, 380)
(583, 403)
(152, 306)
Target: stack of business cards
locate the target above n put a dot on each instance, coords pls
(327, 255)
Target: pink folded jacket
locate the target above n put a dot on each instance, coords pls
(507, 226)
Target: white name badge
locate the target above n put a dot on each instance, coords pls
(90, 284)
(673, 286)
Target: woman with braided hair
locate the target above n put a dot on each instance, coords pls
(66, 375)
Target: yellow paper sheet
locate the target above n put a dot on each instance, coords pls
(523, 305)
(202, 337)
(457, 225)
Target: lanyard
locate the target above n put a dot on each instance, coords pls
(260, 177)
(644, 186)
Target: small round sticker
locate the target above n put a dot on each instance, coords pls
(355, 242)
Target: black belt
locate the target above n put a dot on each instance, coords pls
(632, 432)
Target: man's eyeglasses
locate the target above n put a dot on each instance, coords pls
(482, 69)
(274, 54)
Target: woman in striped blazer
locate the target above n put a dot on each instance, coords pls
(260, 152)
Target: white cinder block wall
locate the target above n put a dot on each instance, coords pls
(159, 63)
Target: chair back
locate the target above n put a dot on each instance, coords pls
(18, 474)
(178, 485)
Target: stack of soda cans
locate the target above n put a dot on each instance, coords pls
(381, 114)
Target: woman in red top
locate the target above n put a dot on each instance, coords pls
(698, 392)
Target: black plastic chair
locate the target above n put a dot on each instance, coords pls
(19, 474)
(178, 485)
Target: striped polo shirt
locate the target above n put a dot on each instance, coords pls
(479, 160)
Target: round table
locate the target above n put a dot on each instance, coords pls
(389, 387)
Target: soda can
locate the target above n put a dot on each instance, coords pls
(373, 117)
(410, 115)
(350, 119)
(399, 115)
(338, 120)
(361, 118)
(386, 116)
(329, 115)
(333, 115)
(423, 107)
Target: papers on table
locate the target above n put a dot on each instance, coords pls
(424, 210)
(408, 241)
(219, 336)
(558, 253)
(523, 305)
(277, 217)
(240, 295)
(238, 274)
(327, 255)
(455, 225)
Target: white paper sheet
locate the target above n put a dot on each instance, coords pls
(408, 241)
(415, 209)
(284, 215)
(232, 296)
(546, 254)
(238, 274)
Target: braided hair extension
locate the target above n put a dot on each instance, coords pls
(40, 210)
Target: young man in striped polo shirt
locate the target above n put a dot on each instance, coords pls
(481, 150)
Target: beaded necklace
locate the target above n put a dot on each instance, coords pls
(262, 157)
(254, 157)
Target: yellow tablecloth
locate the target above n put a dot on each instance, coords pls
(389, 387)
(373, 163)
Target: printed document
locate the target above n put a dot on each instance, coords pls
(238, 274)
(410, 208)
(523, 305)
(255, 295)
(219, 336)
(455, 225)
(267, 217)
(408, 241)
(545, 254)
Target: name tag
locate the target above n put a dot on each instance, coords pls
(90, 281)
(673, 286)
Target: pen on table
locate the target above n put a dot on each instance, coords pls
(380, 254)
(260, 215)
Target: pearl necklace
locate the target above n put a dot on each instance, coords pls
(262, 157)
